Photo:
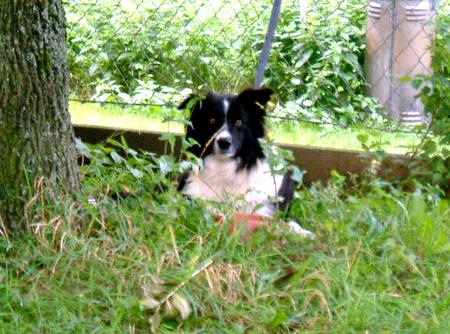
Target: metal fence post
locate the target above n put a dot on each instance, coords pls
(264, 58)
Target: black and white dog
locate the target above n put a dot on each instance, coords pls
(228, 130)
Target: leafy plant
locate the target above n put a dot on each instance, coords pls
(432, 155)
(142, 52)
(316, 62)
(149, 52)
(145, 49)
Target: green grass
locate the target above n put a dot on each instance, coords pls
(287, 132)
(379, 263)
(134, 118)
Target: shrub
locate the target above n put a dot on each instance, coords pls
(115, 51)
(118, 52)
(145, 52)
(432, 164)
(317, 61)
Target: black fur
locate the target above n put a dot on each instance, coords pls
(248, 107)
(230, 127)
(286, 192)
(244, 120)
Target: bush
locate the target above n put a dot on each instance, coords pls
(317, 61)
(118, 52)
(115, 51)
(151, 52)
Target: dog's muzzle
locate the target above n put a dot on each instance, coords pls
(223, 144)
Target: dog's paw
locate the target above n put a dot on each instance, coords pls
(295, 228)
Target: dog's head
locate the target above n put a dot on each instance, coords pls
(228, 126)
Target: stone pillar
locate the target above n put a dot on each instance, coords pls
(399, 34)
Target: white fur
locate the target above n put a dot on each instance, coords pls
(219, 180)
(223, 134)
(249, 191)
(226, 105)
(294, 227)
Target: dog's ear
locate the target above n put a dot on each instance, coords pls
(259, 96)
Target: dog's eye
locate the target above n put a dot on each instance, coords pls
(212, 121)
(238, 123)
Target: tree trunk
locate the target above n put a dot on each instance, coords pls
(36, 135)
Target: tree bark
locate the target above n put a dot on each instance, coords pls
(36, 135)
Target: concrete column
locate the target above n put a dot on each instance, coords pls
(399, 34)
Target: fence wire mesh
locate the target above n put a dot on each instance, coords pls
(155, 52)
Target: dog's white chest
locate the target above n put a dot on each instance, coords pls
(219, 180)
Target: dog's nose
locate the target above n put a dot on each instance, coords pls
(224, 143)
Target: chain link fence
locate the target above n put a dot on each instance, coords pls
(155, 52)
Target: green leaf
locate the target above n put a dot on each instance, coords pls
(297, 174)
(304, 57)
(279, 318)
(405, 78)
(93, 69)
(429, 146)
(114, 142)
(363, 138)
(135, 172)
(116, 157)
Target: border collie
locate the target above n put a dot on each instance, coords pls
(228, 130)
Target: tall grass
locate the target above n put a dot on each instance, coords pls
(379, 263)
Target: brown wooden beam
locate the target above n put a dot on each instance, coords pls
(317, 162)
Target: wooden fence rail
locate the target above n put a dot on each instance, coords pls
(317, 162)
